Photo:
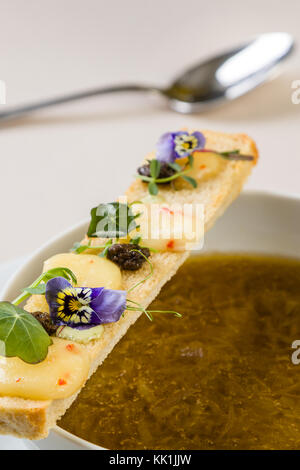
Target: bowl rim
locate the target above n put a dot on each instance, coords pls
(36, 253)
(75, 439)
(283, 195)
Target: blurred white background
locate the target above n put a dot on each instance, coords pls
(57, 164)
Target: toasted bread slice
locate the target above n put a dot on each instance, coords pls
(33, 419)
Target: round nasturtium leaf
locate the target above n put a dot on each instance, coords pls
(112, 220)
(21, 335)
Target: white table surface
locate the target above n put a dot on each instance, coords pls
(58, 164)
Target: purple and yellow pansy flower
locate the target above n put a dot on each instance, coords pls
(174, 145)
(83, 307)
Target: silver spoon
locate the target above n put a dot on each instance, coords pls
(210, 83)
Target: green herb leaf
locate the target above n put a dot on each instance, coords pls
(113, 220)
(154, 168)
(21, 335)
(191, 160)
(175, 166)
(153, 188)
(224, 154)
(190, 180)
(78, 248)
(153, 180)
(41, 289)
(135, 241)
(153, 250)
(55, 272)
(39, 285)
(106, 246)
(135, 202)
(148, 179)
(235, 155)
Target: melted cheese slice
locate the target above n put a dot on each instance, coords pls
(90, 271)
(206, 165)
(169, 227)
(66, 368)
(62, 373)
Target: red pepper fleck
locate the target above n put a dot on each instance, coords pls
(170, 244)
(61, 382)
(19, 379)
(166, 209)
(72, 348)
(202, 167)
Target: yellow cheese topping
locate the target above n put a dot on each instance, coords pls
(66, 367)
(206, 165)
(62, 373)
(165, 227)
(90, 271)
(169, 227)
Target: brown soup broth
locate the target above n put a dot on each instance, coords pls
(220, 377)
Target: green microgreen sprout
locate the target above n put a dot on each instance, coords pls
(148, 313)
(136, 307)
(182, 172)
(39, 285)
(154, 180)
(234, 155)
(147, 277)
(79, 248)
(135, 240)
(105, 248)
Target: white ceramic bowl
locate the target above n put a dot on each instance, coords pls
(257, 222)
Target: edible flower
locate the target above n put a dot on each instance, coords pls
(23, 334)
(83, 307)
(173, 145)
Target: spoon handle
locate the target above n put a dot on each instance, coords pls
(19, 111)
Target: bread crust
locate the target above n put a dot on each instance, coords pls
(33, 419)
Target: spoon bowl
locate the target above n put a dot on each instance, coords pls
(208, 84)
(229, 75)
